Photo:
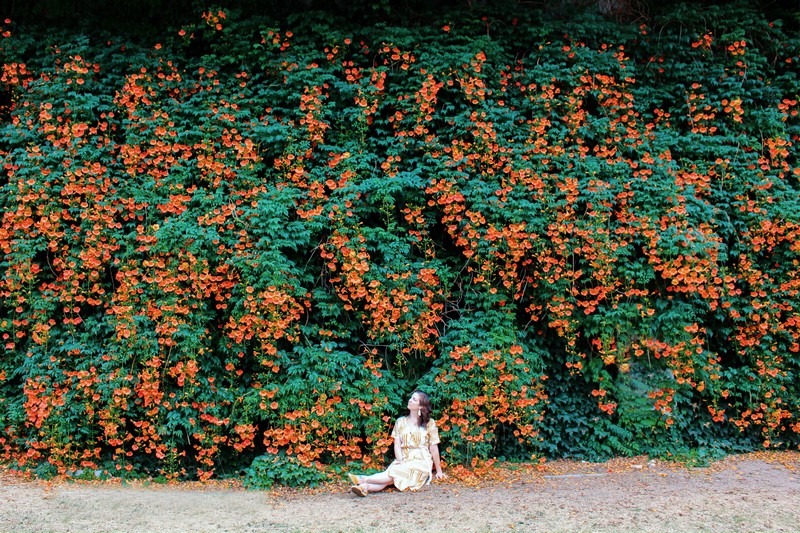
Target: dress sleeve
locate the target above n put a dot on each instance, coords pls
(433, 433)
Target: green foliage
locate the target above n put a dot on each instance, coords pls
(244, 242)
(267, 470)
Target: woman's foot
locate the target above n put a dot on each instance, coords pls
(359, 490)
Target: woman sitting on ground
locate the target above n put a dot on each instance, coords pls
(416, 450)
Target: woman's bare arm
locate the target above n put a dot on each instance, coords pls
(398, 449)
(437, 462)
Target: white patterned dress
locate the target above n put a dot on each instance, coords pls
(415, 470)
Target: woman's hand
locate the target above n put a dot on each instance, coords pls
(439, 475)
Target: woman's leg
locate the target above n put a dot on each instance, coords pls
(376, 487)
(377, 479)
(376, 482)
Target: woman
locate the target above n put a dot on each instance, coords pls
(416, 450)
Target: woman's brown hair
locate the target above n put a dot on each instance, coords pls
(424, 408)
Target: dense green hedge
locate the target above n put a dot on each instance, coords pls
(250, 241)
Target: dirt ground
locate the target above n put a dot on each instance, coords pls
(749, 493)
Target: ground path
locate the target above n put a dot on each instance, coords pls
(755, 492)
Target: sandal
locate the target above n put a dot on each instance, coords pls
(359, 490)
(354, 479)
